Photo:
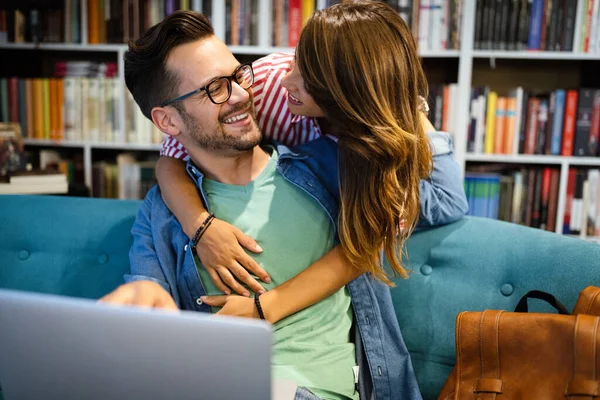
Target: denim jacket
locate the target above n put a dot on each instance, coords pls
(161, 252)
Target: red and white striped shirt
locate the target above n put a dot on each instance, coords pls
(270, 100)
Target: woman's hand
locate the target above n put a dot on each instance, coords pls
(235, 306)
(221, 253)
(426, 124)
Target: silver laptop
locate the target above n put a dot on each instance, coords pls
(56, 347)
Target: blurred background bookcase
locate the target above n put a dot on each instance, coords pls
(482, 59)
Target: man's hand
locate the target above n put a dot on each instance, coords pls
(142, 294)
(236, 306)
(221, 253)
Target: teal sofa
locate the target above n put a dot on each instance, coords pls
(79, 247)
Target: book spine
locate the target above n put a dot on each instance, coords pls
(500, 123)
(569, 126)
(29, 108)
(553, 200)
(294, 22)
(479, 25)
(552, 38)
(490, 124)
(545, 22)
(13, 99)
(588, 26)
(523, 127)
(542, 119)
(504, 25)
(513, 25)
(510, 127)
(496, 38)
(546, 181)
(595, 127)
(583, 124)
(22, 106)
(532, 126)
(550, 124)
(557, 125)
(491, 7)
(567, 40)
(535, 25)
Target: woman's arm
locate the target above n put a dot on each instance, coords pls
(317, 282)
(441, 196)
(219, 248)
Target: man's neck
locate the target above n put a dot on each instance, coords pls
(239, 168)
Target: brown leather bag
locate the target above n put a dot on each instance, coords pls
(588, 302)
(519, 355)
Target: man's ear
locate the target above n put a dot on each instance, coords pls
(166, 120)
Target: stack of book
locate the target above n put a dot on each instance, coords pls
(34, 182)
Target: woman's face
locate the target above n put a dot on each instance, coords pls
(299, 101)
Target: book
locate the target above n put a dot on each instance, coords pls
(11, 148)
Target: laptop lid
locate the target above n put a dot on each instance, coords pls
(67, 348)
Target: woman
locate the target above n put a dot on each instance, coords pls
(348, 84)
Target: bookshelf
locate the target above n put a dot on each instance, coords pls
(218, 18)
(465, 64)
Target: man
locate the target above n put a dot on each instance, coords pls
(313, 347)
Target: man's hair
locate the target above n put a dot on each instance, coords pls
(359, 62)
(146, 74)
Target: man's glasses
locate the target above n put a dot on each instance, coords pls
(219, 89)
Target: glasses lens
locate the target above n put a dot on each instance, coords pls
(245, 76)
(219, 90)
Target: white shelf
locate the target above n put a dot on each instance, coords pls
(532, 159)
(251, 50)
(440, 54)
(535, 55)
(64, 46)
(93, 145)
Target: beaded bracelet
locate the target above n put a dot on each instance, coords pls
(261, 314)
(200, 231)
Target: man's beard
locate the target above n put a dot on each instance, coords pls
(218, 140)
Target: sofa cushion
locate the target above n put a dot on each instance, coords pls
(64, 245)
(478, 264)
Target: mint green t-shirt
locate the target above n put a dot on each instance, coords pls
(311, 347)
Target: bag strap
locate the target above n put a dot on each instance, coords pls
(489, 385)
(586, 380)
(547, 297)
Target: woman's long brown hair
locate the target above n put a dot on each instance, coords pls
(359, 62)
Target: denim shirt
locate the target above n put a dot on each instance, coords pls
(161, 252)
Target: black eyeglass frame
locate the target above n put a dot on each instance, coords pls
(205, 88)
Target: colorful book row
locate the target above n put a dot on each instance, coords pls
(563, 122)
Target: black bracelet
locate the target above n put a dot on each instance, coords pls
(258, 306)
(200, 231)
(205, 228)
